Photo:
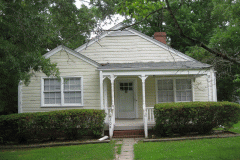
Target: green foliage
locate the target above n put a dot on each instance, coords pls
(70, 124)
(138, 8)
(202, 117)
(29, 29)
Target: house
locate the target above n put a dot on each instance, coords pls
(122, 72)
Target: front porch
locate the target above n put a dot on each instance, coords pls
(133, 93)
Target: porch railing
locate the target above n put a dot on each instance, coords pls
(150, 114)
(111, 120)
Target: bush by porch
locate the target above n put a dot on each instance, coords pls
(67, 124)
(200, 117)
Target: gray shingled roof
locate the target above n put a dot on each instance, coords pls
(154, 65)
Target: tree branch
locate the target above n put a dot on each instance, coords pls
(122, 28)
(196, 42)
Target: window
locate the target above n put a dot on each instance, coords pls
(165, 90)
(174, 90)
(183, 90)
(64, 92)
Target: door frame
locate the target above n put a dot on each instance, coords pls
(135, 91)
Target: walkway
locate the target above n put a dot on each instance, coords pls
(127, 149)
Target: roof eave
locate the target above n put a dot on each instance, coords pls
(149, 69)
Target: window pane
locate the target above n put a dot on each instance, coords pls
(72, 100)
(78, 94)
(72, 84)
(46, 95)
(165, 90)
(46, 88)
(58, 95)
(78, 100)
(170, 99)
(51, 100)
(46, 101)
(72, 97)
(183, 87)
(52, 95)
(46, 82)
(58, 101)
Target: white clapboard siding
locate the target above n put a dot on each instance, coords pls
(201, 89)
(69, 65)
(128, 49)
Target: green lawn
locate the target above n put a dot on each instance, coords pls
(236, 128)
(102, 151)
(214, 149)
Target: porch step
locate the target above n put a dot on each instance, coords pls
(128, 133)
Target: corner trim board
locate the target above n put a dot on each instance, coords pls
(20, 97)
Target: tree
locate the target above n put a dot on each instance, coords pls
(207, 30)
(29, 29)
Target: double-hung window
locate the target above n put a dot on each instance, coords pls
(174, 90)
(64, 92)
(183, 90)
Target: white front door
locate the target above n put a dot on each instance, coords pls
(126, 99)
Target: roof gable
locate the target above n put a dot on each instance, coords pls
(72, 52)
(132, 32)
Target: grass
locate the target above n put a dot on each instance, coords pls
(236, 128)
(119, 148)
(214, 149)
(103, 151)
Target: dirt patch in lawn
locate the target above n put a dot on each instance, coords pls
(192, 136)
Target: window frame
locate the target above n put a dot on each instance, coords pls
(174, 88)
(62, 104)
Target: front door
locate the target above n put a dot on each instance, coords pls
(126, 105)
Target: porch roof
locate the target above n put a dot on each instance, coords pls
(155, 66)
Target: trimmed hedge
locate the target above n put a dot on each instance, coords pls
(68, 124)
(199, 117)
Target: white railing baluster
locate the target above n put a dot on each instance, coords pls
(150, 114)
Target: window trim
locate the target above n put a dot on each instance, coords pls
(62, 93)
(174, 88)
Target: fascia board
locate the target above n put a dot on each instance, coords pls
(162, 72)
(104, 34)
(52, 52)
(72, 52)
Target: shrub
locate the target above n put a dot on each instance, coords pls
(199, 117)
(69, 124)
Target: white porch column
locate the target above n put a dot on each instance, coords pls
(112, 110)
(144, 77)
(101, 89)
(112, 78)
(105, 95)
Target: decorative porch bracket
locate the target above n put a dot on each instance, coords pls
(145, 119)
